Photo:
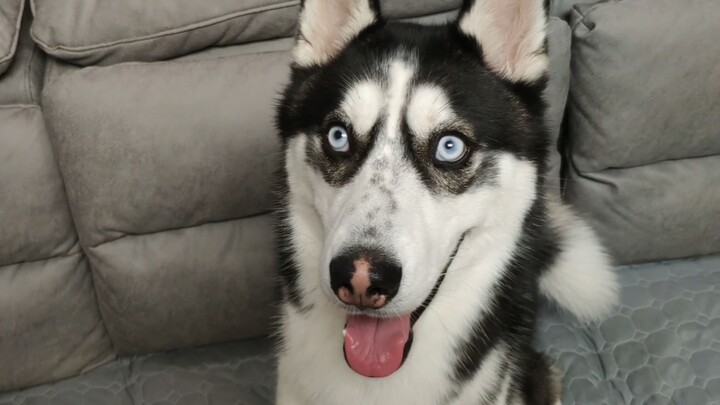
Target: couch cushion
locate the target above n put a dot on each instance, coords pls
(187, 287)
(180, 151)
(639, 95)
(50, 326)
(171, 144)
(661, 211)
(10, 16)
(108, 31)
(36, 222)
(644, 133)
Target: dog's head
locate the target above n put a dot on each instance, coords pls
(400, 139)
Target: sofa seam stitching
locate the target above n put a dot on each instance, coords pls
(19, 106)
(75, 250)
(167, 33)
(179, 228)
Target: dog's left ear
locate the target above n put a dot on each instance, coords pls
(511, 35)
(327, 26)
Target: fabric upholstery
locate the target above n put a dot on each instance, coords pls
(36, 222)
(50, 326)
(106, 31)
(660, 211)
(644, 138)
(172, 144)
(630, 106)
(240, 373)
(22, 82)
(187, 287)
(10, 16)
(660, 347)
(180, 151)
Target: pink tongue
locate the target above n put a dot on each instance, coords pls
(373, 346)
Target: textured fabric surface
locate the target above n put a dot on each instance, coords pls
(50, 327)
(661, 211)
(644, 134)
(106, 31)
(192, 286)
(21, 83)
(171, 144)
(662, 346)
(35, 218)
(229, 374)
(10, 16)
(629, 106)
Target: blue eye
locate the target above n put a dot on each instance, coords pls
(450, 149)
(338, 139)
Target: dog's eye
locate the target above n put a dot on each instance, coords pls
(338, 139)
(450, 149)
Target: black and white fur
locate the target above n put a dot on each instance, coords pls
(483, 234)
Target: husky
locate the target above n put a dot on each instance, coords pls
(417, 237)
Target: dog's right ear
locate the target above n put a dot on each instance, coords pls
(511, 35)
(327, 26)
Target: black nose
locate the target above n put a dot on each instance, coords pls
(365, 278)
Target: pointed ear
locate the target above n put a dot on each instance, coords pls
(511, 34)
(326, 27)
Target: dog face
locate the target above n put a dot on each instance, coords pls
(399, 139)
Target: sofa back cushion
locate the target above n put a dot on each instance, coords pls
(10, 15)
(103, 32)
(644, 125)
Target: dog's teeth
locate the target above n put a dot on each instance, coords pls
(344, 332)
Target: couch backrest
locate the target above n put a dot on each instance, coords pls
(643, 117)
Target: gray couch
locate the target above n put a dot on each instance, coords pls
(136, 156)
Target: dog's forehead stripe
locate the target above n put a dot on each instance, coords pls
(400, 76)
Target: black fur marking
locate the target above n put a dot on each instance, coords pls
(516, 298)
(288, 271)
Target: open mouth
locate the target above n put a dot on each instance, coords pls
(377, 347)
